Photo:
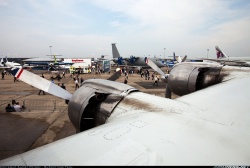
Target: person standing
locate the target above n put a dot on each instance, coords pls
(82, 79)
(125, 80)
(41, 90)
(156, 81)
(64, 87)
(58, 77)
(15, 79)
(63, 74)
(76, 83)
(3, 75)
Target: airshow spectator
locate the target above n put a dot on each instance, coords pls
(76, 83)
(156, 81)
(64, 87)
(3, 75)
(8, 108)
(41, 90)
(17, 107)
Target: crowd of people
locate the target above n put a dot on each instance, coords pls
(144, 73)
(14, 107)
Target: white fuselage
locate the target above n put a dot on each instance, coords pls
(13, 65)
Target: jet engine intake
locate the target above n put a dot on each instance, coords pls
(185, 78)
(92, 104)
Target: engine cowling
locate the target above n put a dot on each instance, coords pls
(185, 78)
(92, 104)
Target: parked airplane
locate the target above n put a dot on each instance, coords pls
(175, 60)
(49, 64)
(132, 61)
(226, 60)
(8, 65)
(123, 126)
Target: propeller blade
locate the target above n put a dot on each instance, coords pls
(132, 59)
(155, 67)
(115, 76)
(164, 77)
(120, 60)
(40, 83)
(184, 58)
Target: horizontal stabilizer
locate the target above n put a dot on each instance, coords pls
(41, 83)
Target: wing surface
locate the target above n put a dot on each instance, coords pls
(226, 100)
(207, 127)
(5, 67)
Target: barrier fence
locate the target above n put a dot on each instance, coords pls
(36, 105)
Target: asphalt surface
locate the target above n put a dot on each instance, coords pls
(31, 128)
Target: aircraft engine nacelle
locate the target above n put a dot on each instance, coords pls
(185, 78)
(92, 104)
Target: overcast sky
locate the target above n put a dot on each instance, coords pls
(86, 28)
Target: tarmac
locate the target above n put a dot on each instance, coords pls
(31, 128)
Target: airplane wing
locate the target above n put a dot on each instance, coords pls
(5, 67)
(203, 128)
(229, 62)
(38, 63)
(207, 127)
(63, 63)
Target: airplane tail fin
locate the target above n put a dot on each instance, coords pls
(2, 62)
(219, 53)
(174, 56)
(55, 61)
(115, 51)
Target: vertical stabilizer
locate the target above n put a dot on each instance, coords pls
(115, 51)
(55, 61)
(6, 59)
(219, 53)
(174, 56)
(2, 62)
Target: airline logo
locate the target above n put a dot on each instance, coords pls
(78, 60)
(219, 54)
